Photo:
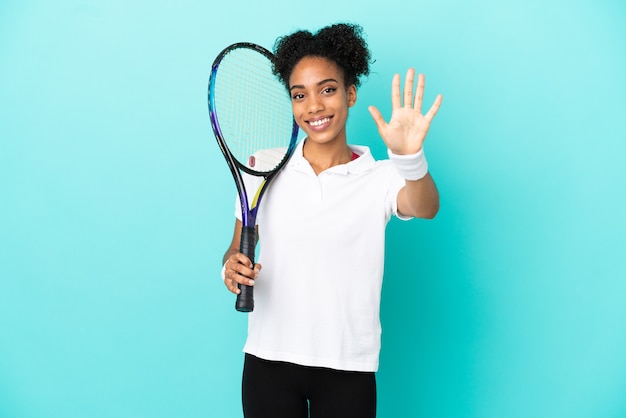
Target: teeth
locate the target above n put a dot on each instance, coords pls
(319, 122)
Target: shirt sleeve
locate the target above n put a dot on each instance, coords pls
(395, 185)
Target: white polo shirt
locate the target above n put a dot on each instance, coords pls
(322, 242)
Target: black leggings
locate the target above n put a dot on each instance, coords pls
(284, 390)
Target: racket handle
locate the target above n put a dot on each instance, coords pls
(245, 299)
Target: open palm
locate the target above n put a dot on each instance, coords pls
(407, 128)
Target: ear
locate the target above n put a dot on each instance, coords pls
(351, 95)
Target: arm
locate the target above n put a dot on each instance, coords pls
(404, 135)
(237, 267)
(419, 198)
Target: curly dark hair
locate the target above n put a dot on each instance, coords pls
(341, 43)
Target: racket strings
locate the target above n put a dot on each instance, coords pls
(254, 110)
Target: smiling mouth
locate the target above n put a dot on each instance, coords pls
(319, 122)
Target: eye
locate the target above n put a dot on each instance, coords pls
(297, 96)
(329, 90)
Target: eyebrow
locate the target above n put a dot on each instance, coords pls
(301, 86)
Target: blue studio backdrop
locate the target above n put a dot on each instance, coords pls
(116, 207)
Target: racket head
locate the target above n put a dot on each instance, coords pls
(250, 110)
(251, 116)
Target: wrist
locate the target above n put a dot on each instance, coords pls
(411, 166)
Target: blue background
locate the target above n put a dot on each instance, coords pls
(116, 207)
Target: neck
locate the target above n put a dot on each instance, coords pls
(324, 156)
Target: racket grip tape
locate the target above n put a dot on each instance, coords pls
(245, 299)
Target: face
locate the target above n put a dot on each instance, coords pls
(320, 99)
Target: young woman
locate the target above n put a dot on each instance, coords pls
(314, 336)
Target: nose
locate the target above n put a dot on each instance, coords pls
(314, 104)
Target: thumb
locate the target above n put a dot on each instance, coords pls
(377, 116)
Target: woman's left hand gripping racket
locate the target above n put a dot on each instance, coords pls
(251, 116)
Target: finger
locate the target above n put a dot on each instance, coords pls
(232, 286)
(377, 116)
(243, 275)
(241, 258)
(434, 108)
(240, 270)
(419, 93)
(395, 91)
(237, 280)
(408, 87)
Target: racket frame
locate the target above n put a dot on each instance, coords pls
(249, 209)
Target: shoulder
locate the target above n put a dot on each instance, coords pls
(367, 161)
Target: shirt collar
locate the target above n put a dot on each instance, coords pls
(358, 166)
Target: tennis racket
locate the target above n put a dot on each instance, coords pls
(251, 116)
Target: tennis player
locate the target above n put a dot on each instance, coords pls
(314, 337)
